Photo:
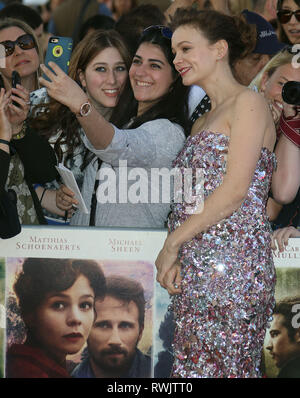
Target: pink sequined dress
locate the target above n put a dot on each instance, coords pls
(228, 275)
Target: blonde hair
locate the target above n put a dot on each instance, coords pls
(282, 58)
(12, 22)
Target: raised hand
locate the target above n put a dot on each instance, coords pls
(18, 114)
(5, 126)
(281, 237)
(65, 198)
(62, 88)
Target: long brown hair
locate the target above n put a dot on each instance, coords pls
(173, 105)
(54, 116)
(281, 33)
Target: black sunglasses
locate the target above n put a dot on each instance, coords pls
(165, 31)
(284, 16)
(25, 42)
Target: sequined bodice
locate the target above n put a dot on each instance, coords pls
(208, 151)
(227, 272)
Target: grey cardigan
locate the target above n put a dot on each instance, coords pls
(145, 151)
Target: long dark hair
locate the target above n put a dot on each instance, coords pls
(173, 105)
(41, 276)
(281, 33)
(49, 118)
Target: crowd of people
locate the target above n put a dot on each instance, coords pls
(186, 85)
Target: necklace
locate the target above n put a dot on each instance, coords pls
(21, 133)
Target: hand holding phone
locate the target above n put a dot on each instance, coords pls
(59, 51)
(1, 82)
(15, 79)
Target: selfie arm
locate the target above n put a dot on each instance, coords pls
(65, 90)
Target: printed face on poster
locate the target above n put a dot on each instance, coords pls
(126, 335)
(281, 357)
(116, 340)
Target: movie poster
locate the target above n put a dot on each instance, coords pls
(2, 315)
(124, 255)
(121, 253)
(279, 349)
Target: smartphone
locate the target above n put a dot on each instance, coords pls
(59, 51)
(1, 82)
(15, 79)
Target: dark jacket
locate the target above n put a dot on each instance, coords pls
(25, 361)
(38, 159)
(4, 166)
(291, 370)
(140, 368)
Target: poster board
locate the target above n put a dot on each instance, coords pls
(127, 252)
(287, 265)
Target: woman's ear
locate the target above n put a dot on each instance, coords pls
(81, 77)
(264, 81)
(221, 49)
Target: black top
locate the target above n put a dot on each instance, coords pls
(4, 166)
(291, 370)
(37, 156)
(289, 214)
(39, 161)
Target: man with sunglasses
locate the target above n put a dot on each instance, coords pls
(288, 16)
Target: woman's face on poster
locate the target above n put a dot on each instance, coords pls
(64, 319)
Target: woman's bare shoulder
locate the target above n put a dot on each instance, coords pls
(250, 97)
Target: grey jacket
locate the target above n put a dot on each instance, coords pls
(133, 196)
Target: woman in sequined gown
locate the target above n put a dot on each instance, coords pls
(217, 260)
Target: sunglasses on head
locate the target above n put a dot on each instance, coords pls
(165, 31)
(25, 42)
(284, 16)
